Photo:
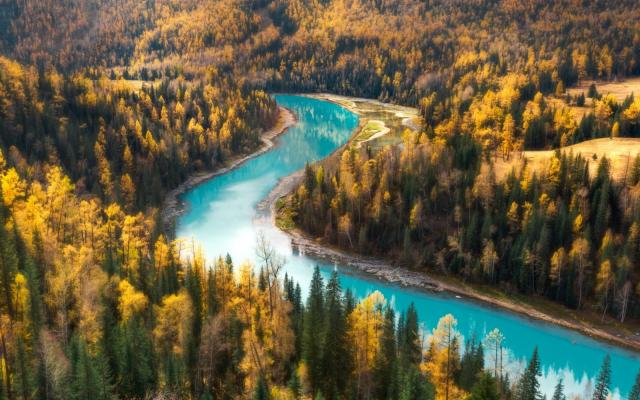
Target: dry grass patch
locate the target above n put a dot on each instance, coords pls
(620, 151)
(578, 112)
(130, 84)
(620, 90)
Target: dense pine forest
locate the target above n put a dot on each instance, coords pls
(107, 105)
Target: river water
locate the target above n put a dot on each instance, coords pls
(221, 216)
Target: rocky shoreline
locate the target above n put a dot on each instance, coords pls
(173, 207)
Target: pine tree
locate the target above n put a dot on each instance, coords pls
(313, 327)
(90, 378)
(35, 297)
(335, 356)
(212, 299)
(349, 302)
(635, 390)
(81, 374)
(294, 385)
(297, 319)
(485, 388)
(409, 336)
(206, 395)
(8, 269)
(2, 378)
(558, 393)
(262, 391)
(471, 364)
(529, 387)
(385, 369)
(603, 381)
(23, 370)
(135, 360)
(194, 285)
(104, 379)
(413, 386)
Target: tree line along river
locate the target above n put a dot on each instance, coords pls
(221, 216)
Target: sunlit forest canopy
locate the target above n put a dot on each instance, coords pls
(400, 49)
(106, 106)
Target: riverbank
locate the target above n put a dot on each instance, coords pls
(627, 336)
(531, 307)
(173, 207)
(382, 269)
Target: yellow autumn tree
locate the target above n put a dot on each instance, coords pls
(20, 299)
(59, 197)
(579, 255)
(173, 322)
(268, 340)
(558, 263)
(13, 187)
(508, 135)
(127, 191)
(366, 322)
(604, 282)
(442, 360)
(489, 259)
(133, 240)
(89, 298)
(130, 302)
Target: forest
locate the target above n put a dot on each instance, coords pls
(434, 204)
(106, 106)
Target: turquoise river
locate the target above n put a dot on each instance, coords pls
(221, 216)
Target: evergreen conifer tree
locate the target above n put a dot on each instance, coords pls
(558, 393)
(410, 339)
(295, 385)
(485, 388)
(136, 364)
(471, 364)
(529, 387)
(90, 379)
(261, 391)
(385, 370)
(335, 356)
(603, 381)
(314, 321)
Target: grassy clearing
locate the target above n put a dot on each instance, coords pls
(132, 85)
(284, 215)
(620, 90)
(371, 130)
(578, 112)
(620, 151)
